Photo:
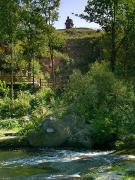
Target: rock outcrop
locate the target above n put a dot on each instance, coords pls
(67, 131)
(51, 133)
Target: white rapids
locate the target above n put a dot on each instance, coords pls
(57, 156)
(52, 164)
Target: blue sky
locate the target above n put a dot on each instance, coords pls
(68, 7)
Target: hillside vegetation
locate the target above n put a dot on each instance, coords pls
(89, 97)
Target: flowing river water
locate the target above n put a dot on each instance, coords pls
(65, 164)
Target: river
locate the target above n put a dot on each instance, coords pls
(65, 164)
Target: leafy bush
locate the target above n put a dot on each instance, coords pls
(127, 142)
(25, 104)
(31, 125)
(9, 124)
(64, 65)
(106, 103)
(42, 97)
(15, 108)
(4, 90)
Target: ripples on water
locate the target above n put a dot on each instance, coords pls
(53, 164)
(45, 156)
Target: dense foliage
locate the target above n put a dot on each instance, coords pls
(106, 103)
(117, 19)
(94, 102)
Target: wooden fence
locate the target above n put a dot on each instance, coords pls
(60, 81)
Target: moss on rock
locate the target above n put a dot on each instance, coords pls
(51, 133)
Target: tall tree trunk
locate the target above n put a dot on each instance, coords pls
(29, 70)
(12, 74)
(12, 83)
(52, 63)
(113, 40)
(126, 50)
(51, 48)
(113, 49)
(33, 73)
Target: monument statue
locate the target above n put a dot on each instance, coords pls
(69, 23)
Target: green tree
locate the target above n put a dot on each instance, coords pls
(126, 44)
(38, 17)
(104, 101)
(111, 16)
(49, 10)
(9, 23)
(104, 13)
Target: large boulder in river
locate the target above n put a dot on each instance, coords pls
(51, 133)
(68, 131)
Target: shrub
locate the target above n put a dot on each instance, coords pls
(15, 108)
(42, 97)
(64, 66)
(31, 126)
(9, 124)
(4, 90)
(106, 102)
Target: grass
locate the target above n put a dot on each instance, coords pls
(79, 33)
(126, 174)
(128, 178)
(125, 151)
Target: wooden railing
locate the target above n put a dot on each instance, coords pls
(60, 81)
